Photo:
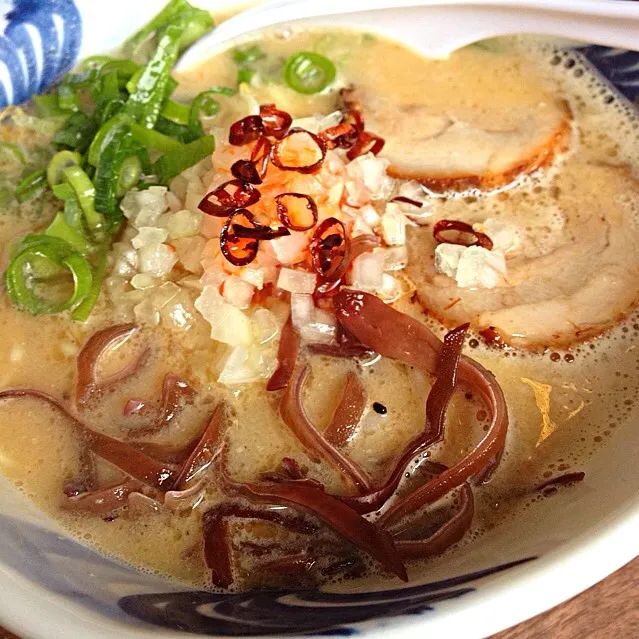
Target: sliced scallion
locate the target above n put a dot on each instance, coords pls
(172, 164)
(308, 73)
(31, 185)
(145, 103)
(30, 263)
(85, 192)
(60, 161)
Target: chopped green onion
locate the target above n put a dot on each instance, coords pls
(124, 68)
(204, 104)
(83, 310)
(307, 72)
(172, 164)
(68, 98)
(111, 109)
(61, 228)
(198, 21)
(82, 80)
(176, 112)
(73, 213)
(60, 161)
(77, 132)
(31, 185)
(109, 89)
(98, 143)
(132, 83)
(145, 103)
(85, 192)
(63, 191)
(155, 140)
(27, 265)
(117, 148)
(198, 24)
(244, 76)
(130, 174)
(246, 56)
(177, 132)
(8, 148)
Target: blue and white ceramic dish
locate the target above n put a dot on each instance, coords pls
(52, 586)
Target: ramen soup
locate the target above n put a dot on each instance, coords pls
(318, 308)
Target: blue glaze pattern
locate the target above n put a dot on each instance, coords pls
(619, 67)
(45, 31)
(313, 612)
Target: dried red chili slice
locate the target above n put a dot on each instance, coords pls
(239, 251)
(329, 248)
(246, 171)
(462, 230)
(276, 122)
(296, 211)
(228, 197)
(246, 130)
(343, 135)
(299, 150)
(366, 143)
(261, 155)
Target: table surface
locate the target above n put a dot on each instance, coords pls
(606, 611)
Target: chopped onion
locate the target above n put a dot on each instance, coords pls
(317, 123)
(183, 223)
(321, 329)
(265, 326)
(189, 252)
(143, 281)
(371, 170)
(149, 235)
(302, 308)
(290, 249)
(253, 275)
(228, 323)
(361, 228)
(238, 292)
(414, 192)
(174, 202)
(143, 208)
(393, 225)
(125, 259)
(370, 215)
(247, 364)
(395, 258)
(296, 281)
(157, 259)
(391, 289)
(368, 271)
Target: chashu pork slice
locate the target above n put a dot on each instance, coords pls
(464, 147)
(574, 274)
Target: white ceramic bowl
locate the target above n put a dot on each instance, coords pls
(52, 586)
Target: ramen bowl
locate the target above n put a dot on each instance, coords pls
(54, 586)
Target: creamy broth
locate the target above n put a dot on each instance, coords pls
(573, 401)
